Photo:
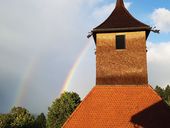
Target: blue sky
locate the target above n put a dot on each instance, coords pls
(41, 40)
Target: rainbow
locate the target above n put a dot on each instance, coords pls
(24, 83)
(74, 67)
(29, 71)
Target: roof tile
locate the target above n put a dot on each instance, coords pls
(118, 107)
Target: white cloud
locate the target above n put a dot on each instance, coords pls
(103, 12)
(92, 3)
(161, 19)
(158, 63)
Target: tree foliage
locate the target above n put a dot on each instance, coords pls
(5, 120)
(167, 94)
(164, 93)
(17, 118)
(40, 121)
(22, 118)
(160, 91)
(61, 109)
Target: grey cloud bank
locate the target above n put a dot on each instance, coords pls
(40, 41)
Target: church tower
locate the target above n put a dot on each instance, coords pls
(122, 97)
(121, 49)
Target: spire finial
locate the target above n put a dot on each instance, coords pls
(119, 3)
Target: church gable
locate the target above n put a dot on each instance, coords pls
(120, 107)
(122, 97)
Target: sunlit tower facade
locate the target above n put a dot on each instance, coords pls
(121, 49)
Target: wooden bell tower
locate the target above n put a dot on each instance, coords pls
(128, 101)
(121, 49)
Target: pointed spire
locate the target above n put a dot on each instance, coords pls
(121, 20)
(119, 3)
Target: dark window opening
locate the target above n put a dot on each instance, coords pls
(120, 42)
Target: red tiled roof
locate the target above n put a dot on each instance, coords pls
(121, 20)
(120, 107)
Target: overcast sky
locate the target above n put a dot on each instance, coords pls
(40, 41)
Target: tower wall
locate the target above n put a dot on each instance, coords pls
(121, 66)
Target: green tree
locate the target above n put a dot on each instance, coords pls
(61, 109)
(21, 118)
(17, 118)
(167, 94)
(164, 93)
(160, 92)
(5, 120)
(40, 121)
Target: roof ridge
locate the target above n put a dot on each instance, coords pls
(155, 92)
(133, 16)
(125, 86)
(82, 102)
